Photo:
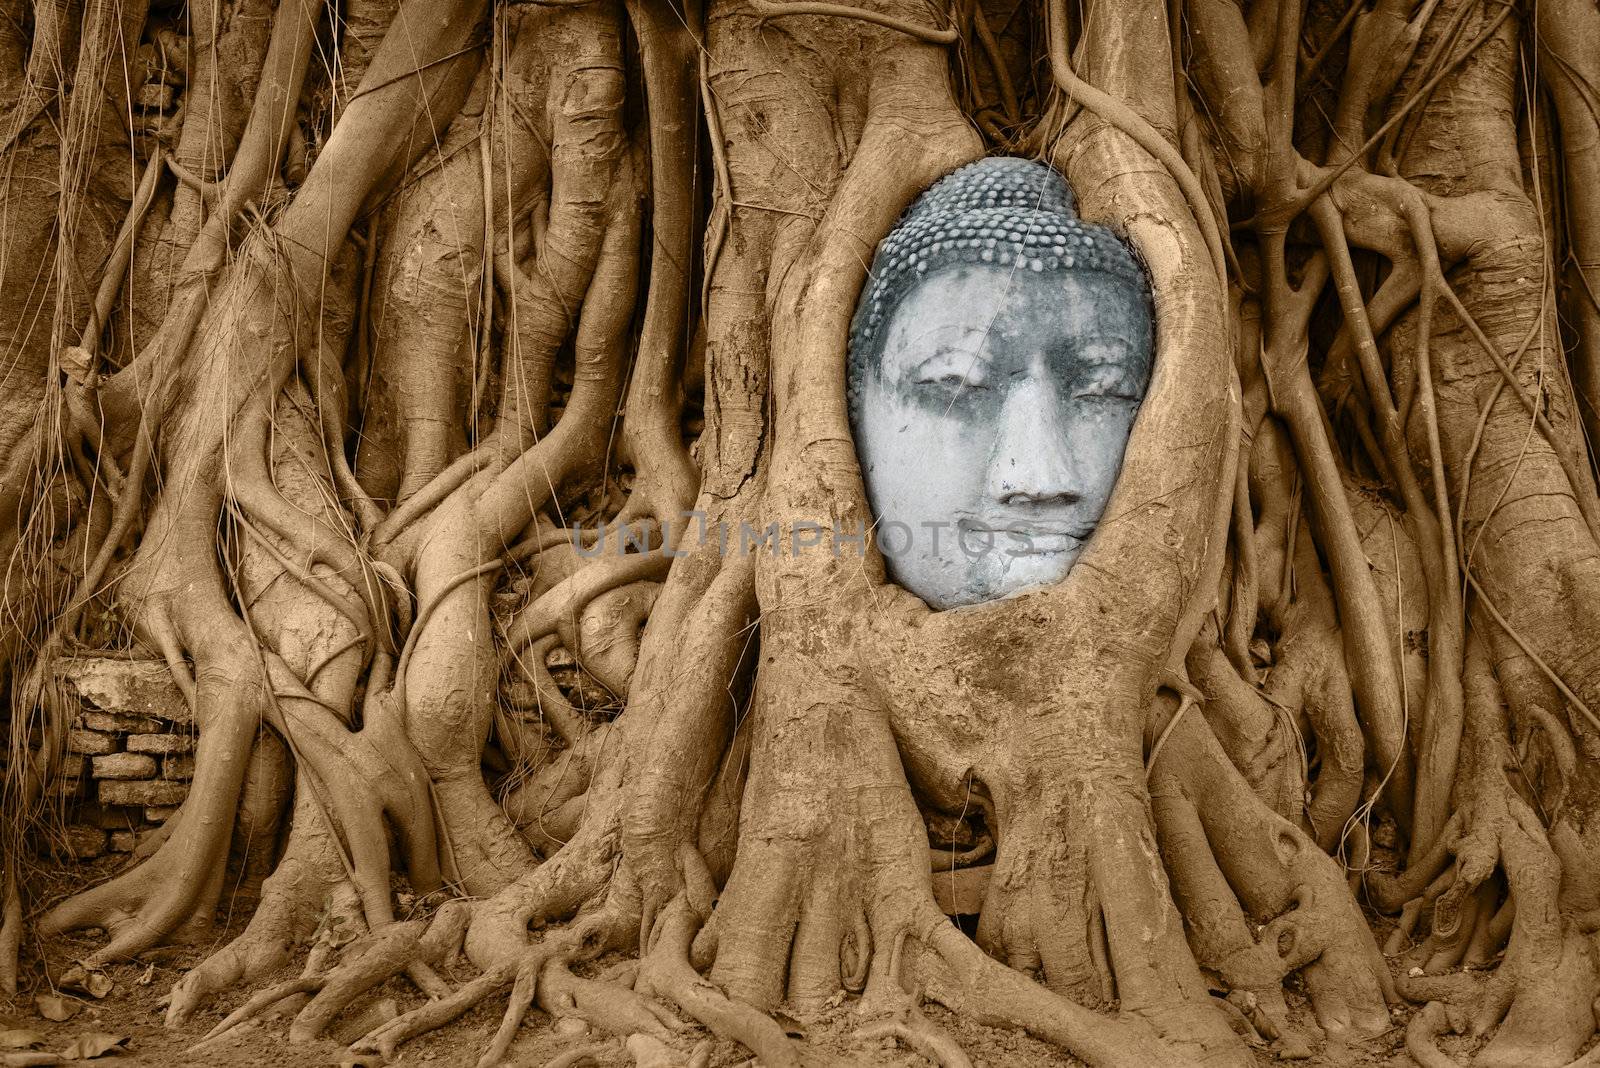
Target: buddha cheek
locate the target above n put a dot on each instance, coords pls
(1097, 433)
(920, 466)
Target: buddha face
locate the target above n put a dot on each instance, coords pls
(992, 428)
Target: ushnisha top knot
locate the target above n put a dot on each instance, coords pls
(1001, 210)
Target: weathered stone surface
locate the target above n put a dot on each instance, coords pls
(77, 843)
(159, 813)
(160, 743)
(91, 742)
(159, 792)
(124, 766)
(960, 892)
(177, 767)
(116, 721)
(94, 814)
(123, 841)
(133, 687)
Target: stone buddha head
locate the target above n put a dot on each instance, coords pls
(998, 357)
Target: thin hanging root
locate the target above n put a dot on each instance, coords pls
(665, 970)
(121, 255)
(922, 1035)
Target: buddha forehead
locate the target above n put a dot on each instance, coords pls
(1018, 317)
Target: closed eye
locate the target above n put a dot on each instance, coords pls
(1108, 384)
(1127, 396)
(952, 380)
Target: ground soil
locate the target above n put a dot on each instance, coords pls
(134, 1008)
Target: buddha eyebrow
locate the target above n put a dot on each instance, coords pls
(959, 329)
(973, 358)
(1104, 348)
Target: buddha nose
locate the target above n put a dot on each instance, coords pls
(1032, 464)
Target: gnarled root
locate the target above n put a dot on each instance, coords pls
(1227, 850)
(917, 1031)
(180, 882)
(666, 972)
(371, 960)
(538, 973)
(1541, 994)
(1424, 1028)
(307, 883)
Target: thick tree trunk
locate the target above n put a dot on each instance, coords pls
(453, 396)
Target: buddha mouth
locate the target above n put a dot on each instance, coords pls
(1019, 537)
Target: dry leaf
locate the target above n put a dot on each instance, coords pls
(77, 362)
(20, 1038)
(94, 982)
(148, 976)
(93, 1044)
(57, 1008)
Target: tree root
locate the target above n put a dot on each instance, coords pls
(1282, 879)
(538, 974)
(1425, 1026)
(960, 976)
(924, 1036)
(665, 971)
(307, 882)
(411, 946)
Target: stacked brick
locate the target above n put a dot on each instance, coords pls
(130, 753)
